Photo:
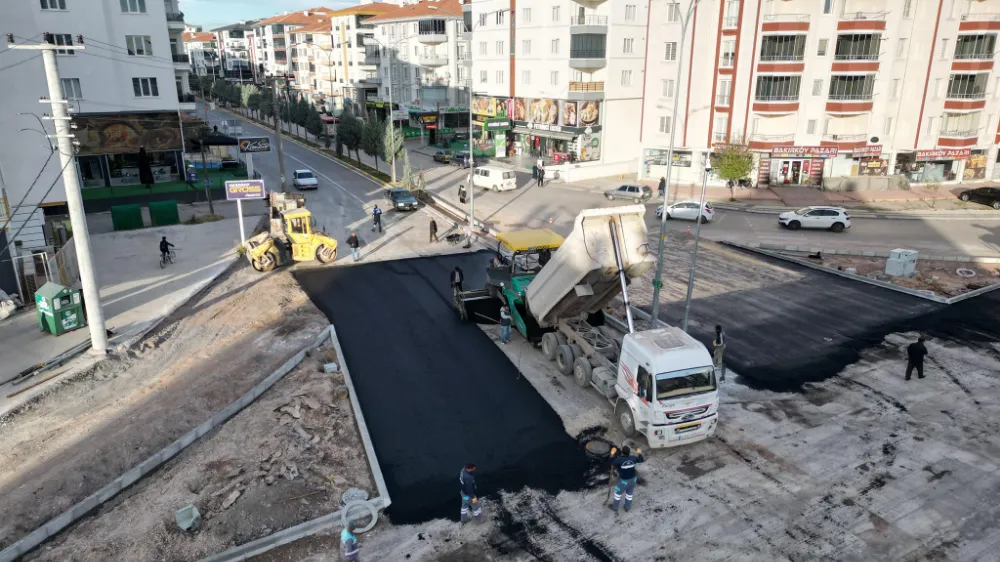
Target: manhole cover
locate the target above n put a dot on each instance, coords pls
(353, 494)
(598, 448)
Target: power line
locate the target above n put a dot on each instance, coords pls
(89, 42)
(15, 44)
(32, 186)
(25, 223)
(31, 58)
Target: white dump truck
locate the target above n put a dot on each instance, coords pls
(661, 382)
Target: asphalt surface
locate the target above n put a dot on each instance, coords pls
(783, 335)
(438, 393)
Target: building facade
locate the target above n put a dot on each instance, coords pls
(271, 41)
(119, 88)
(826, 88)
(234, 50)
(201, 49)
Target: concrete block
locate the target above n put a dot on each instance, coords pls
(868, 253)
(882, 254)
(331, 367)
(791, 248)
(843, 252)
(951, 259)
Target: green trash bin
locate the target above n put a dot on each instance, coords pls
(60, 309)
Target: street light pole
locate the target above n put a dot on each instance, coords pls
(658, 280)
(694, 255)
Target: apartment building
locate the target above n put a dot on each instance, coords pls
(271, 42)
(202, 50)
(234, 50)
(826, 88)
(419, 48)
(119, 90)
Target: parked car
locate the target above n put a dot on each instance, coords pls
(401, 199)
(637, 193)
(304, 179)
(443, 156)
(494, 178)
(985, 195)
(462, 159)
(833, 218)
(687, 210)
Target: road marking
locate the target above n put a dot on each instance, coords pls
(331, 180)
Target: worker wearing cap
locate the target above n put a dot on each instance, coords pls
(470, 501)
(625, 466)
(348, 543)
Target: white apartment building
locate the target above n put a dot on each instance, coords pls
(422, 44)
(567, 77)
(271, 42)
(201, 50)
(119, 89)
(234, 50)
(826, 88)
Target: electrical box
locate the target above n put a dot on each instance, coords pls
(901, 263)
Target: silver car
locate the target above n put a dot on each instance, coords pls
(304, 179)
(637, 193)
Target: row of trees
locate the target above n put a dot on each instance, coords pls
(375, 137)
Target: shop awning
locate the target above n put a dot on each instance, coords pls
(546, 134)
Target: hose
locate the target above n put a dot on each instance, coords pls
(344, 518)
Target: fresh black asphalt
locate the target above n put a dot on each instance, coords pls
(438, 393)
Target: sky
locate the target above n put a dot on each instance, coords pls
(217, 13)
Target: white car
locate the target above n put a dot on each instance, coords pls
(304, 179)
(687, 210)
(832, 218)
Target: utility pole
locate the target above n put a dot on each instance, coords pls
(277, 130)
(71, 182)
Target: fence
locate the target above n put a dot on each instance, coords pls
(63, 267)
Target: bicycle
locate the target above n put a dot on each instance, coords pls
(166, 258)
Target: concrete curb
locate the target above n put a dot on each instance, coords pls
(870, 214)
(136, 473)
(867, 253)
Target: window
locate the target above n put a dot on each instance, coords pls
(555, 14)
(895, 88)
(71, 89)
(827, 6)
(783, 47)
(626, 78)
(817, 87)
(665, 123)
(670, 51)
(526, 15)
(811, 127)
(887, 128)
(938, 88)
(555, 47)
(133, 6)
(588, 46)
(777, 88)
(930, 125)
(755, 125)
(482, 47)
(964, 124)
(857, 47)
(53, 4)
(858, 87)
(554, 77)
(526, 47)
(627, 45)
(673, 12)
(499, 47)
(826, 126)
(967, 86)
(630, 12)
(721, 123)
(821, 50)
(944, 48)
(482, 76)
(482, 20)
(725, 89)
(145, 87)
(499, 77)
(728, 55)
(907, 6)
(500, 17)
(526, 76)
(63, 39)
(667, 89)
(901, 48)
(139, 45)
(975, 47)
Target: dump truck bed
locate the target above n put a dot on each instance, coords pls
(582, 276)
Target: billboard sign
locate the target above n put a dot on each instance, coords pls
(255, 144)
(245, 189)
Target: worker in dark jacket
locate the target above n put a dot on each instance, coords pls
(376, 219)
(661, 189)
(348, 543)
(625, 467)
(457, 278)
(354, 243)
(470, 499)
(915, 353)
(433, 231)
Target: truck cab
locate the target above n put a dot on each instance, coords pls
(667, 389)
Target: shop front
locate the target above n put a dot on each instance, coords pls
(975, 166)
(427, 122)
(868, 161)
(490, 119)
(796, 165)
(109, 151)
(930, 166)
(557, 131)
(654, 161)
(381, 110)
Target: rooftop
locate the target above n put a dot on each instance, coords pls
(198, 37)
(303, 17)
(420, 10)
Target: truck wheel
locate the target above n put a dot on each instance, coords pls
(577, 352)
(625, 419)
(326, 255)
(564, 360)
(550, 346)
(582, 371)
(561, 338)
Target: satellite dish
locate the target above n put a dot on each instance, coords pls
(873, 140)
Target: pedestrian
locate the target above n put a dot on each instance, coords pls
(718, 350)
(457, 278)
(376, 219)
(625, 467)
(541, 177)
(505, 324)
(534, 172)
(470, 501)
(433, 231)
(349, 543)
(915, 353)
(354, 244)
(662, 187)
(461, 193)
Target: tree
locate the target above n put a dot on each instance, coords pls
(407, 171)
(371, 139)
(393, 145)
(248, 93)
(266, 103)
(253, 103)
(733, 162)
(349, 133)
(313, 123)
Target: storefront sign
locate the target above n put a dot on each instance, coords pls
(497, 124)
(456, 109)
(590, 148)
(544, 127)
(245, 189)
(108, 134)
(254, 145)
(943, 154)
(490, 107)
(379, 104)
(975, 167)
(804, 151)
(428, 119)
(871, 151)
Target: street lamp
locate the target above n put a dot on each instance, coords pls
(392, 125)
(658, 280)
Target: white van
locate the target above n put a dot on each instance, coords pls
(496, 179)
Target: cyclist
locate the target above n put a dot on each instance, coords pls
(164, 248)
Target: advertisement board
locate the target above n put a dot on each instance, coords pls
(113, 134)
(872, 151)
(254, 145)
(943, 154)
(245, 189)
(804, 151)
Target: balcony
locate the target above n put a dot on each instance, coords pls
(776, 104)
(432, 32)
(187, 102)
(587, 3)
(432, 60)
(862, 21)
(863, 16)
(785, 22)
(372, 80)
(585, 91)
(980, 22)
(730, 22)
(722, 100)
(767, 142)
(587, 59)
(588, 24)
(846, 142)
(464, 58)
(175, 20)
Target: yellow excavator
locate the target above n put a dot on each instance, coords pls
(290, 236)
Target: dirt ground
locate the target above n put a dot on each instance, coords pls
(937, 276)
(284, 460)
(89, 428)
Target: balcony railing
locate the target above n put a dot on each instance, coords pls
(185, 98)
(966, 95)
(587, 53)
(857, 16)
(727, 60)
(960, 134)
(771, 138)
(730, 22)
(851, 96)
(975, 56)
(981, 17)
(722, 99)
(185, 59)
(588, 20)
(856, 56)
(718, 137)
(783, 57)
(845, 138)
(586, 86)
(777, 97)
(175, 16)
(787, 17)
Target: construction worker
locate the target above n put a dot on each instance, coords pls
(457, 278)
(376, 219)
(625, 467)
(915, 353)
(470, 501)
(718, 350)
(349, 543)
(433, 231)
(505, 324)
